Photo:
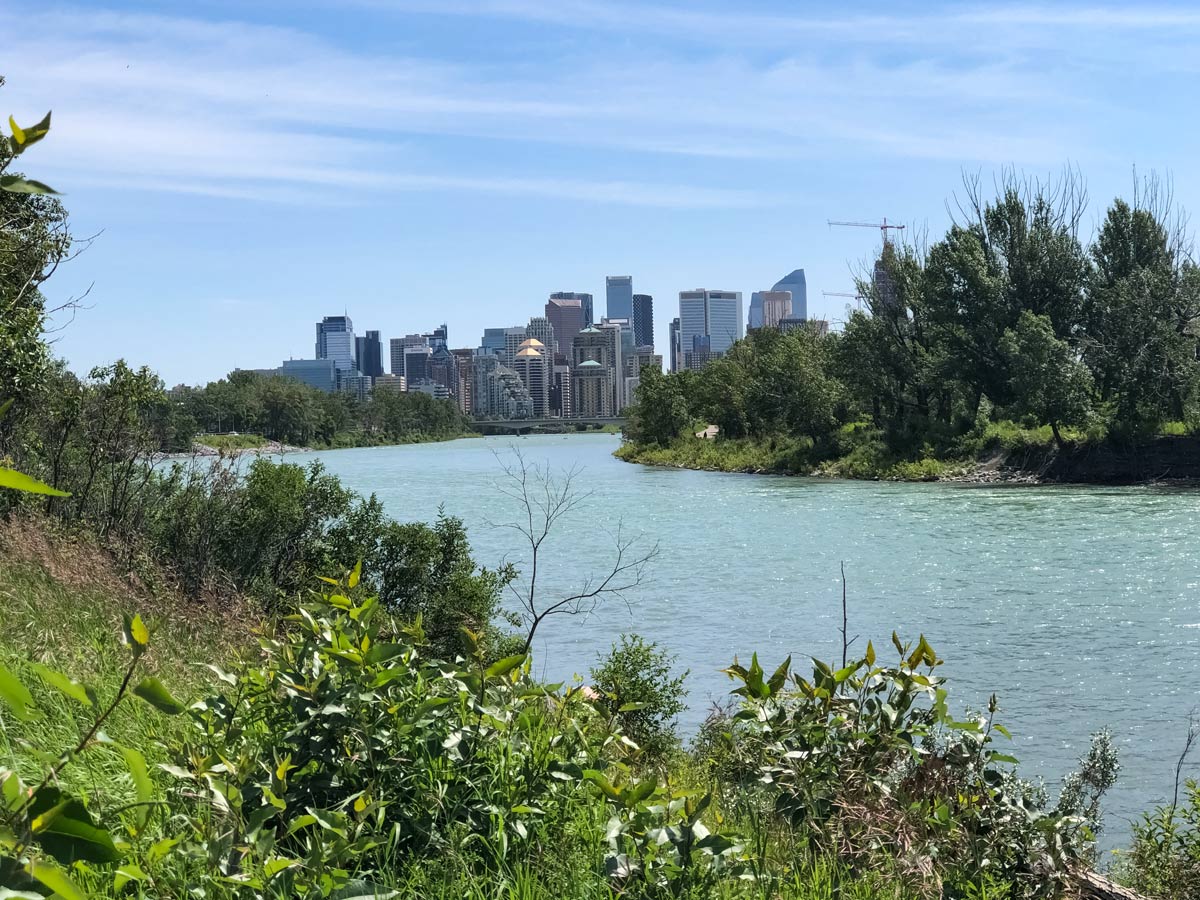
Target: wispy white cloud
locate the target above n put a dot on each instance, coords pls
(235, 109)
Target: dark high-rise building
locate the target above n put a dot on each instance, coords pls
(618, 290)
(567, 318)
(585, 302)
(643, 320)
(370, 354)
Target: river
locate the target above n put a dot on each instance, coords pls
(1078, 606)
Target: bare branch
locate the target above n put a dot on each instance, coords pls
(544, 499)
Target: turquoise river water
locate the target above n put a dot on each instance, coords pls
(1078, 606)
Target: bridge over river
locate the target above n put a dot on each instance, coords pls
(524, 426)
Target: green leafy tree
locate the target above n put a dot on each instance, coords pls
(34, 240)
(637, 690)
(1018, 253)
(1142, 310)
(1049, 383)
(659, 413)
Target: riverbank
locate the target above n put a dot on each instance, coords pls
(1168, 458)
(256, 445)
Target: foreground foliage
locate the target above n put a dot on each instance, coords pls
(344, 758)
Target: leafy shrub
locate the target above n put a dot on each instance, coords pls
(638, 693)
(867, 758)
(1164, 860)
(345, 749)
(927, 469)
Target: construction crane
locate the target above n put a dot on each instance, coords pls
(857, 298)
(883, 226)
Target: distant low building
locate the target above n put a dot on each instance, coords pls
(390, 383)
(318, 373)
(430, 387)
(355, 384)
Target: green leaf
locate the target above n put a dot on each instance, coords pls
(504, 666)
(355, 575)
(24, 137)
(597, 778)
(127, 873)
(15, 184)
(632, 707)
(5, 407)
(15, 694)
(634, 796)
(779, 678)
(870, 657)
(152, 691)
(842, 674)
(12, 792)
(10, 478)
(66, 830)
(60, 682)
(136, 632)
(55, 878)
(142, 785)
(280, 864)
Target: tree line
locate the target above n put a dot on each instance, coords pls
(1011, 315)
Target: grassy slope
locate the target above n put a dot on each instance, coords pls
(62, 603)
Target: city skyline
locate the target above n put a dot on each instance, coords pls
(414, 156)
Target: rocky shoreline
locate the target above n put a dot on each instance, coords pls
(270, 448)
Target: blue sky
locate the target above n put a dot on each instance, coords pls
(249, 167)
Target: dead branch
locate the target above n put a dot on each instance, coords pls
(543, 499)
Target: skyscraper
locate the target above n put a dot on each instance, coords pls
(503, 342)
(566, 315)
(465, 360)
(643, 320)
(498, 390)
(533, 365)
(709, 322)
(396, 354)
(416, 364)
(335, 341)
(542, 329)
(776, 306)
(673, 340)
(596, 361)
(794, 282)
(585, 303)
(369, 352)
(618, 291)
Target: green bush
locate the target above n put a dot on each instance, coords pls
(638, 693)
(1164, 860)
(867, 759)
